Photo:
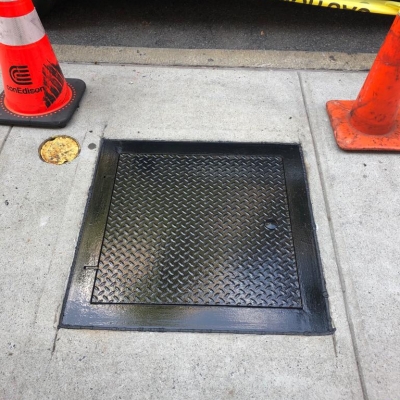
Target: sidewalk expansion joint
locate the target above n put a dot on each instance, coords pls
(335, 246)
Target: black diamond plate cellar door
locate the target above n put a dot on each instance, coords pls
(198, 237)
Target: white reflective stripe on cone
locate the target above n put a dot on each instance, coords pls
(20, 31)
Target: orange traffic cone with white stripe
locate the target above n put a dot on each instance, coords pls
(35, 90)
(372, 121)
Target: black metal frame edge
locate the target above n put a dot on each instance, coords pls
(313, 319)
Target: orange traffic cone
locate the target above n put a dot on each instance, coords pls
(35, 90)
(372, 121)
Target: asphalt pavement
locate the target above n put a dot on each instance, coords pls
(215, 24)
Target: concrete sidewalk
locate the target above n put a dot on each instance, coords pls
(356, 209)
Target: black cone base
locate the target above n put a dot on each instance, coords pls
(57, 119)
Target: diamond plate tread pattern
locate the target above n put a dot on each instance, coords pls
(198, 230)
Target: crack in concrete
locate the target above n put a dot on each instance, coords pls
(5, 139)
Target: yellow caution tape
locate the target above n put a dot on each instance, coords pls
(373, 6)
